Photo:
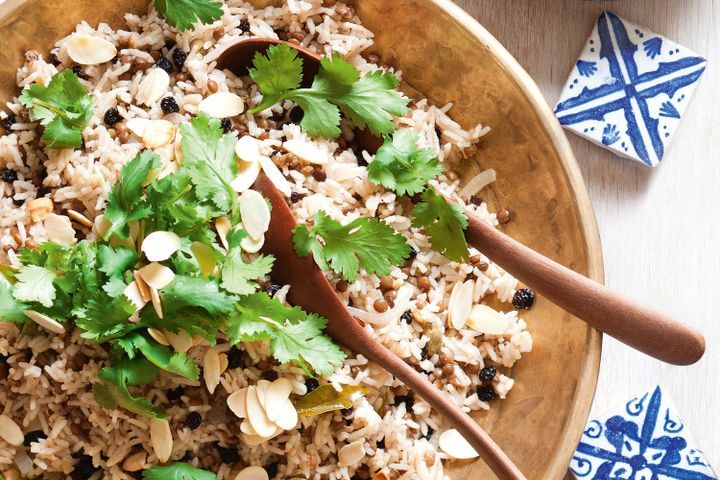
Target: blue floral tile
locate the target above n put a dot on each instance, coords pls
(629, 89)
(645, 439)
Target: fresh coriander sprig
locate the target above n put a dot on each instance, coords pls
(444, 222)
(64, 108)
(370, 101)
(177, 471)
(183, 14)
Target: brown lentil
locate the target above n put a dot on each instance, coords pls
(181, 77)
(380, 305)
(124, 136)
(212, 86)
(423, 283)
(504, 215)
(386, 283)
(218, 32)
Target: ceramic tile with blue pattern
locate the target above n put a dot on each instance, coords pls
(629, 89)
(645, 439)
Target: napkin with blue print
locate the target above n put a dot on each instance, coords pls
(629, 89)
(644, 439)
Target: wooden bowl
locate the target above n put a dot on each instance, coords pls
(449, 57)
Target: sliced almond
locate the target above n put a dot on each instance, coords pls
(156, 275)
(137, 126)
(90, 50)
(158, 336)
(276, 396)
(223, 360)
(255, 213)
(247, 149)
(161, 439)
(59, 229)
(158, 133)
(250, 245)
(252, 473)
(247, 174)
(306, 151)
(288, 417)
(211, 369)
(222, 105)
(223, 226)
(205, 256)
(155, 299)
(153, 87)
(246, 428)
(181, 341)
(275, 176)
(237, 402)
(159, 246)
(79, 218)
(39, 208)
(142, 286)
(133, 293)
(486, 320)
(44, 321)
(10, 431)
(455, 445)
(460, 304)
(351, 453)
(100, 226)
(256, 414)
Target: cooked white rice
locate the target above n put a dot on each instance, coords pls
(47, 379)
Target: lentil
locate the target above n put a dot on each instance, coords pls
(181, 77)
(524, 299)
(124, 136)
(423, 284)
(504, 215)
(169, 105)
(212, 86)
(164, 64)
(380, 306)
(386, 282)
(448, 370)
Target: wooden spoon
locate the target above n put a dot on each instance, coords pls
(312, 291)
(644, 329)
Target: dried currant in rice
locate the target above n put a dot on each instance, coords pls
(226, 125)
(244, 26)
(193, 420)
(235, 356)
(486, 393)
(179, 57)
(294, 197)
(164, 64)
(34, 436)
(169, 105)
(8, 122)
(311, 384)
(524, 299)
(296, 114)
(273, 288)
(112, 116)
(176, 393)
(407, 317)
(488, 373)
(8, 175)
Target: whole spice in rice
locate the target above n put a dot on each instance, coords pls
(8, 175)
(486, 393)
(169, 105)
(164, 64)
(487, 374)
(524, 299)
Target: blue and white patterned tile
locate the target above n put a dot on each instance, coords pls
(629, 89)
(645, 439)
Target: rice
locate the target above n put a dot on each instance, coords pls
(48, 379)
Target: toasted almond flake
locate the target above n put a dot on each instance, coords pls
(460, 304)
(277, 394)
(137, 126)
(256, 414)
(133, 293)
(79, 218)
(10, 431)
(306, 151)
(237, 402)
(275, 176)
(223, 226)
(351, 453)
(255, 213)
(455, 445)
(100, 226)
(181, 341)
(39, 208)
(486, 320)
(205, 256)
(157, 305)
(223, 361)
(211, 369)
(158, 336)
(161, 439)
(44, 321)
(158, 133)
(288, 417)
(153, 87)
(250, 245)
(156, 275)
(252, 473)
(247, 149)
(159, 246)
(247, 174)
(90, 50)
(142, 286)
(222, 105)
(58, 229)
(135, 462)
(246, 428)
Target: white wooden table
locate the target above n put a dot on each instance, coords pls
(660, 227)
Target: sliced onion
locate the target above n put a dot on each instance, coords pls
(478, 182)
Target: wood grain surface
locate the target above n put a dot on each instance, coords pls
(660, 227)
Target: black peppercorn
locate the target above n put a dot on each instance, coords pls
(164, 64)
(169, 105)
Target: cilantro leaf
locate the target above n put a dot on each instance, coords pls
(444, 222)
(182, 14)
(104, 318)
(113, 392)
(114, 261)
(186, 292)
(177, 471)
(11, 310)
(237, 275)
(364, 242)
(35, 284)
(401, 166)
(159, 355)
(295, 336)
(64, 107)
(125, 202)
(369, 101)
(209, 157)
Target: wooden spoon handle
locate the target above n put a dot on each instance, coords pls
(489, 451)
(643, 328)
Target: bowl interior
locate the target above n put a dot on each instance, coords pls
(448, 57)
